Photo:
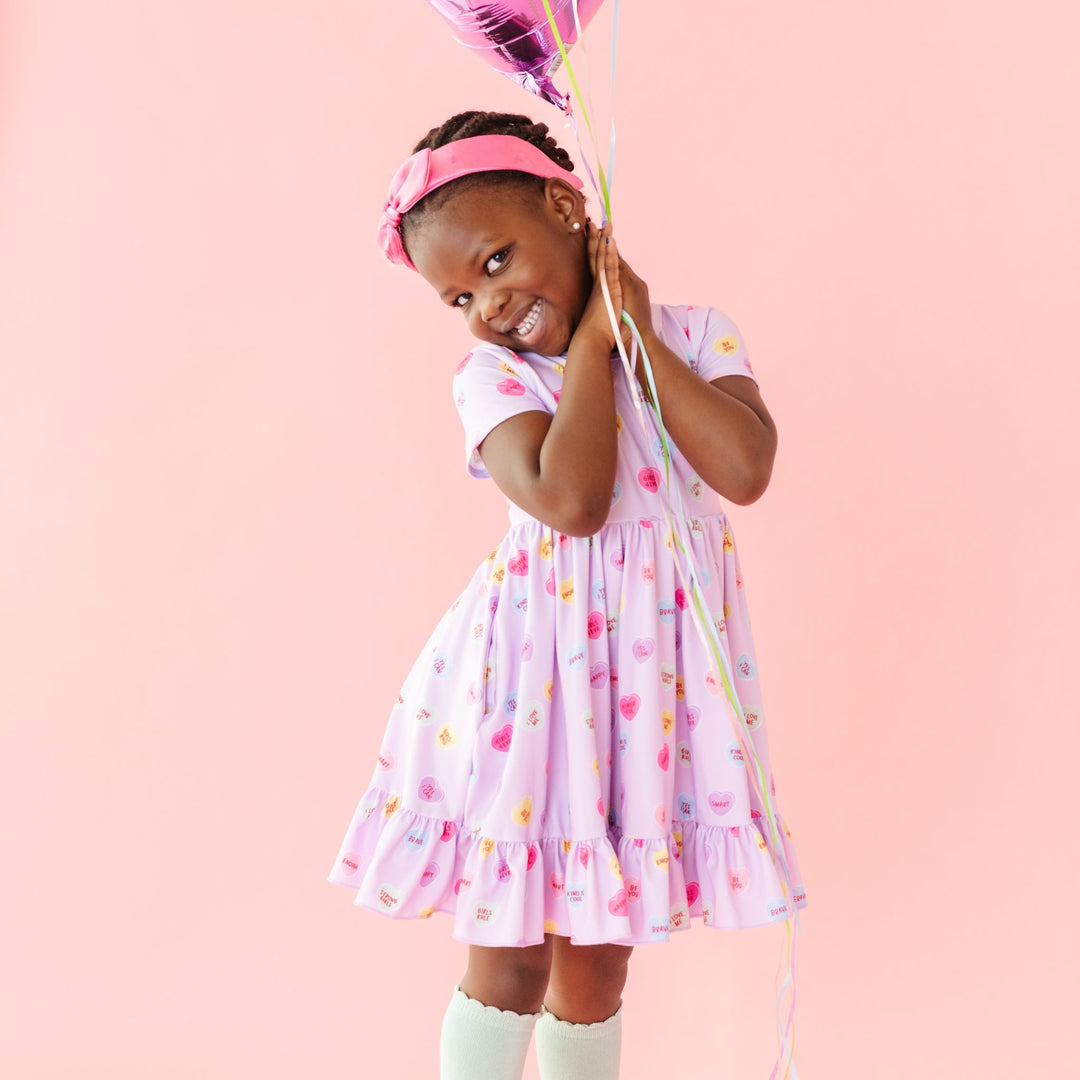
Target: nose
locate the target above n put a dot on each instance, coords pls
(491, 304)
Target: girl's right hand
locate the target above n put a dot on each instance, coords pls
(604, 260)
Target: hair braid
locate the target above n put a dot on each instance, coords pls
(467, 124)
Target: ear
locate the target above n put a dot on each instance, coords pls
(563, 200)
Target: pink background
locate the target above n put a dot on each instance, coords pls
(223, 538)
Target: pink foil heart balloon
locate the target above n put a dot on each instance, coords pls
(516, 37)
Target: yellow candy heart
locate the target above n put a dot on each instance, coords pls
(523, 811)
(566, 590)
(391, 805)
(487, 846)
(446, 737)
(667, 719)
(726, 345)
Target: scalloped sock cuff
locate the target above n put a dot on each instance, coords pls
(567, 1051)
(480, 1040)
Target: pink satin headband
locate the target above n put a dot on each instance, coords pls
(430, 169)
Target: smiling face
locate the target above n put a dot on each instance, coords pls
(511, 261)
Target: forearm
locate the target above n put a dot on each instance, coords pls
(725, 441)
(579, 453)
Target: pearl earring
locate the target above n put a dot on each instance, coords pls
(576, 226)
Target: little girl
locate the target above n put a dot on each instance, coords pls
(559, 772)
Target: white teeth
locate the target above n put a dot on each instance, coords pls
(529, 321)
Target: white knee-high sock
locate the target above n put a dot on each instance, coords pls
(566, 1051)
(481, 1042)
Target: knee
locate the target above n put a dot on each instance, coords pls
(509, 978)
(527, 970)
(589, 979)
(608, 967)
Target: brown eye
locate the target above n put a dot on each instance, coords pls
(466, 297)
(497, 259)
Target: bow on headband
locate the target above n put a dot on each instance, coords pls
(427, 170)
(409, 186)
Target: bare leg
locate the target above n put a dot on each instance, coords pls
(509, 978)
(586, 981)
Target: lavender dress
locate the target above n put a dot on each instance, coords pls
(561, 757)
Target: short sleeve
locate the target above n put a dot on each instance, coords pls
(717, 347)
(490, 385)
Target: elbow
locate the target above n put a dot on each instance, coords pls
(754, 487)
(757, 474)
(583, 521)
(582, 515)
(752, 484)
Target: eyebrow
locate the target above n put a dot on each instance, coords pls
(483, 246)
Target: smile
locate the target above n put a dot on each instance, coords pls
(526, 324)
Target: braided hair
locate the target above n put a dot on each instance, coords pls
(464, 125)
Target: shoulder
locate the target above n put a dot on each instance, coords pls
(708, 337)
(689, 322)
(493, 368)
(488, 359)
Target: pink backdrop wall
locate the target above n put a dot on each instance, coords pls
(210, 494)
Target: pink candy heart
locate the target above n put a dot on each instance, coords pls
(629, 705)
(618, 903)
(510, 387)
(642, 649)
(664, 757)
(739, 879)
(501, 739)
(721, 802)
(519, 564)
(648, 478)
(430, 791)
